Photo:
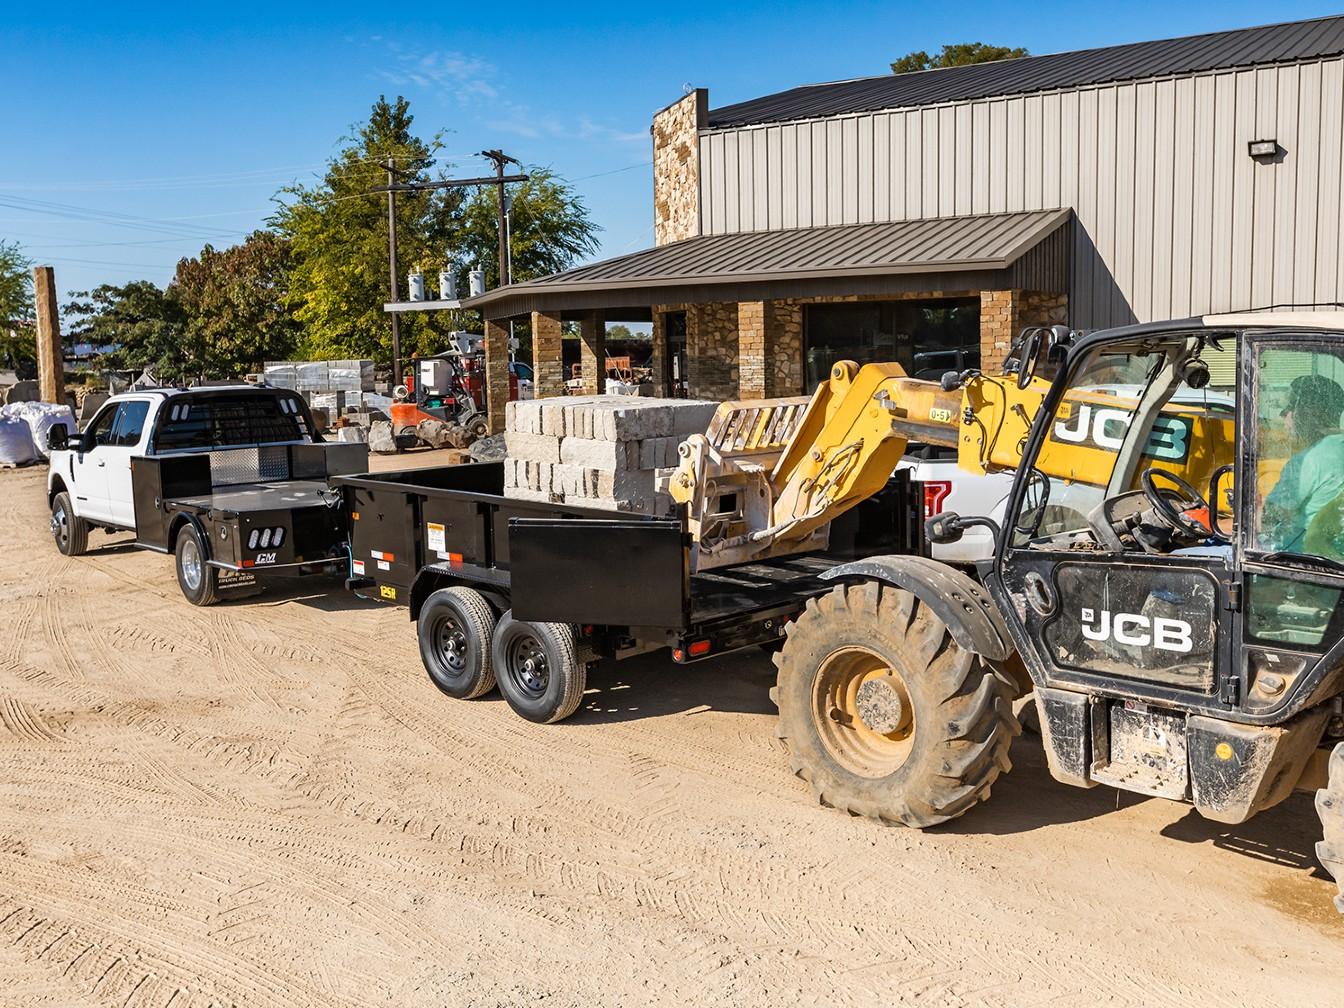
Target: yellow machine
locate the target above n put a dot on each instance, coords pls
(770, 475)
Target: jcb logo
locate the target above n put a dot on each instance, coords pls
(265, 558)
(1134, 630)
(1105, 427)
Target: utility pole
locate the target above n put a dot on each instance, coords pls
(501, 159)
(392, 261)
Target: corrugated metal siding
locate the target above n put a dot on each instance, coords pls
(1174, 217)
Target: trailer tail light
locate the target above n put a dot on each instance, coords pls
(698, 648)
(935, 493)
(266, 538)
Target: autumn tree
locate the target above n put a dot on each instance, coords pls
(145, 326)
(233, 302)
(960, 54)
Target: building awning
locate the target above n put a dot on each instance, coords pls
(949, 253)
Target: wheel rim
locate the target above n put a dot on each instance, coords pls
(450, 645)
(192, 569)
(862, 711)
(60, 524)
(528, 668)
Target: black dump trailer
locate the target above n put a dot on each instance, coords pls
(528, 595)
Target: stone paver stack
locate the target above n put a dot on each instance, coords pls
(597, 451)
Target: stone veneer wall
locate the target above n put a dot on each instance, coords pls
(547, 356)
(676, 168)
(1005, 313)
(712, 352)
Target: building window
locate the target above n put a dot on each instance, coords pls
(926, 337)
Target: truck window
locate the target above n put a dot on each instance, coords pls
(129, 425)
(100, 431)
(221, 421)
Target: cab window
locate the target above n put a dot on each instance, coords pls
(1297, 500)
(130, 424)
(100, 431)
(1161, 407)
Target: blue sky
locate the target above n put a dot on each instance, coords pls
(135, 134)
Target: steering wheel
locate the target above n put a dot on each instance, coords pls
(1162, 503)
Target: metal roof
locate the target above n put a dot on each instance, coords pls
(984, 241)
(1243, 47)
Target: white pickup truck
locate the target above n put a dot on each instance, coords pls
(232, 480)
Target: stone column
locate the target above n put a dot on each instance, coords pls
(593, 352)
(496, 372)
(712, 350)
(50, 359)
(784, 364)
(753, 349)
(1003, 316)
(659, 362)
(548, 358)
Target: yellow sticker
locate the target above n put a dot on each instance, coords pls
(940, 415)
(387, 592)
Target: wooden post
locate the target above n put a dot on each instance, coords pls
(50, 359)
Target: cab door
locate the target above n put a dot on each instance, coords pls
(126, 442)
(88, 466)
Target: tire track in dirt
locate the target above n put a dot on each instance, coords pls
(24, 723)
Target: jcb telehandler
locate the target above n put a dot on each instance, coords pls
(1167, 576)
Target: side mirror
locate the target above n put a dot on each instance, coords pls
(1027, 352)
(58, 438)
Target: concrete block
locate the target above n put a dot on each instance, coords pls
(523, 416)
(691, 416)
(537, 447)
(23, 391)
(613, 455)
(633, 485)
(553, 418)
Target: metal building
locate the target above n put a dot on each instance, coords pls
(926, 217)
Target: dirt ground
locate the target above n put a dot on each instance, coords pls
(267, 803)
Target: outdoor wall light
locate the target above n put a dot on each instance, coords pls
(1263, 148)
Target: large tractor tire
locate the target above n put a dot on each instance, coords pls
(885, 715)
(1330, 807)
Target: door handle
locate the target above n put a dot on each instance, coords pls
(101, 463)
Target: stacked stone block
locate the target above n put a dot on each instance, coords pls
(598, 451)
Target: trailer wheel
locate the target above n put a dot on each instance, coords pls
(885, 714)
(540, 671)
(197, 579)
(70, 531)
(1330, 807)
(455, 628)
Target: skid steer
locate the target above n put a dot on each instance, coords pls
(1167, 575)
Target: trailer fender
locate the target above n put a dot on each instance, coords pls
(175, 529)
(431, 579)
(958, 600)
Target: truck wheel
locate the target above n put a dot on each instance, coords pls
(1330, 807)
(455, 629)
(70, 531)
(539, 669)
(197, 579)
(885, 714)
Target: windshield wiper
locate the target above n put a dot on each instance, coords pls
(1305, 559)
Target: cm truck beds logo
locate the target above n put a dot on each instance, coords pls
(1105, 427)
(1134, 630)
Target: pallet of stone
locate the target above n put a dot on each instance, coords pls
(598, 451)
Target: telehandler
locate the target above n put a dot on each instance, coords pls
(1167, 578)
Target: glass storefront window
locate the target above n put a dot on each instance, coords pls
(927, 338)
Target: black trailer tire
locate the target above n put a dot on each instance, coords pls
(885, 714)
(539, 668)
(70, 531)
(456, 629)
(197, 579)
(1330, 807)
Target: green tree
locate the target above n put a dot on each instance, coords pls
(18, 344)
(961, 54)
(233, 302)
(549, 228)
(145, 326)
(338, 233)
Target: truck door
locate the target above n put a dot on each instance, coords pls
(1111, 596)
(127, 437)
(89, 467)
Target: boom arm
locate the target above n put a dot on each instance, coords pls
(769, 476)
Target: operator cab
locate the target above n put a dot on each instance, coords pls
(1176, 533)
